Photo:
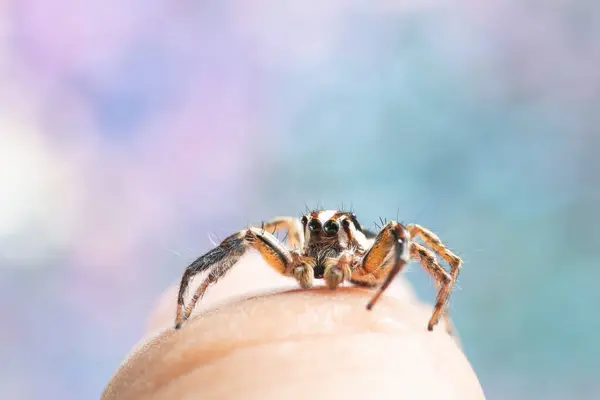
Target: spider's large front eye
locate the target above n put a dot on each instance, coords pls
(331, 227)
(314, 225)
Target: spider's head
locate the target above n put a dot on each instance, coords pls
(331, 228)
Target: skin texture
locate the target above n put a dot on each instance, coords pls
(256, 336)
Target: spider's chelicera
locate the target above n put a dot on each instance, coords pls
(333, 246)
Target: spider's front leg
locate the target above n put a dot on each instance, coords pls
(222, 258)
(392, 240)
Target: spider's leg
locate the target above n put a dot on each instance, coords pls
(433, 241)
(294, 227)
(220, 260)
(377, 263)
(392, 240)
(367, 281)
(217, 271)
(230, 250)
(442, 279)
(452, 259)
(401, 256)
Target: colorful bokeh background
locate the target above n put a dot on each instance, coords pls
(131, 129)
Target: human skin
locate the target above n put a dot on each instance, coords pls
(256, 336)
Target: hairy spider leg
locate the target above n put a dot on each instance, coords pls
(376, 263)
(393, 237)
(223, 257)
(295, 235)
(452, 259)
(440, 277)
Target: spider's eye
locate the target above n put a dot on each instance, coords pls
(314, 225)
(331, 227)
(346, 223)
(304, 220)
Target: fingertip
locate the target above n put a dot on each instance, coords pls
(322, 330)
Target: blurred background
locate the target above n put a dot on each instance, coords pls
(130, 130)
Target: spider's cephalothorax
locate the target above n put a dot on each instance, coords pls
(328, 234)
(333, 246)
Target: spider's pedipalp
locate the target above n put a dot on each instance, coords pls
(337, 270)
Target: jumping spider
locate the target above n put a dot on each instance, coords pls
(329, 245)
